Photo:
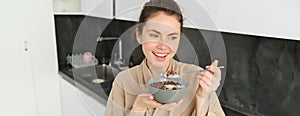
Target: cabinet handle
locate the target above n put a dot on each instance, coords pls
(25, 45)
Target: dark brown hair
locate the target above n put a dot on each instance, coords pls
(151, 8)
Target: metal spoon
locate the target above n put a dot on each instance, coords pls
(201, 70)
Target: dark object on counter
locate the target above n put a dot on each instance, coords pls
(106, 86)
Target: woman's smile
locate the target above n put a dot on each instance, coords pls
(160, 56)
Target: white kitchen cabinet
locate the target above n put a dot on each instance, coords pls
(268, 18)
(17, 82)
(128, 9)
(95, 8)
(194, 15)
(29, 79)
(66, 6)
(98, 8)
(77, 103)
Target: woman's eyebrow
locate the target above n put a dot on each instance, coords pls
(160, 33)
(173, 34)
(155, 31)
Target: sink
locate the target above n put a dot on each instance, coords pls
(86, 76)
(100, 72)
(106, 72)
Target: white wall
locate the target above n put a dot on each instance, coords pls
(29, 83)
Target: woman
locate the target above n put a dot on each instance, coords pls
(158, 32)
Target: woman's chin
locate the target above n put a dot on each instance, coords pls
(159, 63)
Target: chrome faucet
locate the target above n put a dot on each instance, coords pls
(119, 61)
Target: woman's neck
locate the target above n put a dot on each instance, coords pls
(157, 68)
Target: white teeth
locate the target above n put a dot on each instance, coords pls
(160, 55)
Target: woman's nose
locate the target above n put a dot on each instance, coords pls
(162, 46)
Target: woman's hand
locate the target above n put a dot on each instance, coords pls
(144, 101)
(208, 80)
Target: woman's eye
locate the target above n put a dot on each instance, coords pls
(153, 35)
(173, 37)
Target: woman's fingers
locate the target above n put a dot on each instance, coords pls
(213, 68)
(207, 74)
(145, 96)
(144, 101)
(204, 86)
(168, 105)
(209, 80)
(153, 104)
(172, 105)
(213, 78)
(211, 71)
(147, 101)
(206, 80)
(215, 63)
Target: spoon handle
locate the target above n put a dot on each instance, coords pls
(201, 70)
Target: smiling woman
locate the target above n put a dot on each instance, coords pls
(160, 38)
(158, 32)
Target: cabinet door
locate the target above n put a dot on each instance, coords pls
(253, 17)
(193, 14)
(17, 82)
(66, 5)
(29, 82)
(98, 8)
(197, 14)
(77, 103)
(128, 9)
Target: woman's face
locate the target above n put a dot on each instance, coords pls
(160, 38)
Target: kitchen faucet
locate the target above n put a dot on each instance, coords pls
(119, 61)
(118, 57)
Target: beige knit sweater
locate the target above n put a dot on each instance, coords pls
(131, 82)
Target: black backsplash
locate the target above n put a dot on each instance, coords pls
(261, 77)
(70, 27)
(66, 28)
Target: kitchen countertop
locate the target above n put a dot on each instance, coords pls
(84, 83)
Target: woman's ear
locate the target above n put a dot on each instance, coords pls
(138, 35)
